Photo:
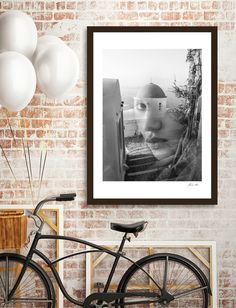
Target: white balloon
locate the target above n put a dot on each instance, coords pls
(17, 80)
(57, 69)
(44, 42)
(17, 33)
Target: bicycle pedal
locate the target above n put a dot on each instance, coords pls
(99, 285)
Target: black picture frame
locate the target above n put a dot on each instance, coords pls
(91, 115)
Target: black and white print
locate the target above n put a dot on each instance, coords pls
(152, 128)
(152, 115)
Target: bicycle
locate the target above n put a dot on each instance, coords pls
(175, 280)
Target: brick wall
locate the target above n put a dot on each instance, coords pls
(66, 140)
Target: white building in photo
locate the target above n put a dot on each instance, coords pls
(150, 93)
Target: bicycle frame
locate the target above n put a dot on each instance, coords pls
(51, 264)
(111, 298)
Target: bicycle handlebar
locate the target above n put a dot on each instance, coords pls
(61, 197)
(66, 197)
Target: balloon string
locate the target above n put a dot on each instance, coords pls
(40, 165)
(28, 151)
(42, 161)
(27, 167)
(26, 163)
(13, 136)
(42, 173)
(29, 157)
(45, 148)
(9, 124)
(8, 163)
(46, 152)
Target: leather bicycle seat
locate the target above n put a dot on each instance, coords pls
(129, 228)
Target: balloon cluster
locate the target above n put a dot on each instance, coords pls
(26, 60)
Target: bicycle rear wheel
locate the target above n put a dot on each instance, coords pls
(183, 280)
(35, 288)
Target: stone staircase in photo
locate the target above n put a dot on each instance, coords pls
(140, 163)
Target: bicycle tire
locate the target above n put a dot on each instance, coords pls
(185, 276)
(35, 288)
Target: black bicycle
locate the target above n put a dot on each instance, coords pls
(174, 280)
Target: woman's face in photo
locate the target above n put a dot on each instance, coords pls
(160, 129)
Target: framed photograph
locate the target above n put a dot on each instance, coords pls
(152, 115)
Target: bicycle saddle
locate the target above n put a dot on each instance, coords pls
(129, 228)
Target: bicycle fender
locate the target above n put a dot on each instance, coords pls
(143, 260)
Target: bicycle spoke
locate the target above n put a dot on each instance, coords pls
(165, 273)
(25, 291)
(175, 277)
(178, 278)
(190, 292)
(3, 287)
(32, 291)
(24, 284)
(7, 276)
(171, 276)
(182, 282)
(24, 279)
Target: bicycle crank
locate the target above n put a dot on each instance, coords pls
(101, 305)
(107, 300)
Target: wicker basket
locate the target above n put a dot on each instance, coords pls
(13, 229)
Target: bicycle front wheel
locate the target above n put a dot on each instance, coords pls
(35, 288)
(184, 282)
